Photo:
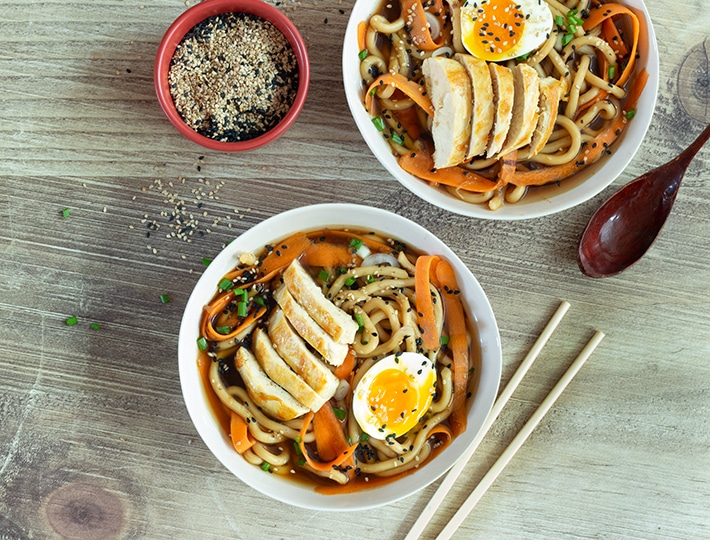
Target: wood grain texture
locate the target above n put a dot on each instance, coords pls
(91, 417)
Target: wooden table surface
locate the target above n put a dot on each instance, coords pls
(95, 440)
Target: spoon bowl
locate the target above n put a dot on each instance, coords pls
(627, 224)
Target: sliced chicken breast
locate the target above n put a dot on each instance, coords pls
(329, 317)
(268, 395)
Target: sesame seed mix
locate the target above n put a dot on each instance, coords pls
(233, 77)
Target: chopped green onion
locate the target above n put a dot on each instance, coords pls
(225, 284)
(95, 326)
(559, 20)
(444, 340)
(350, 281)
(71, 321)
(362, 54)
(571, 28)
(323, 275)
(610, 71)
(164, 298)
(575, 20)
(206, 261)
(259, 300)
(241, 309)
(224, 330)
(342, 270)
(201, 343)
(360, 322)
(297, 439)
(301, 462)
(297, 448)
(364, 437)
(339, 413)
(265, 466)
(379, 123)
(66, 213)
(523, 57)
(396, 138)
(356, 243)
(630, 114)
(243, 293)
(567, 38)
(370, 278)
(572, 13)
(373, 91)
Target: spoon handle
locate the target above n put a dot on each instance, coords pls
(689, 153)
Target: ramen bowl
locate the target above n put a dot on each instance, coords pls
(257, 72)
(486, 344)
(539, 201)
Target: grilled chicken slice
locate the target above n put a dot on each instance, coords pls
(280, 372)
(334, 353)
(268, 395)
(295, 352)
(329, 317)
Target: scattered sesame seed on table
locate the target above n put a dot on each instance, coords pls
(233, 77)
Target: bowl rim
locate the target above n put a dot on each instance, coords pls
(193, 16)
(549, 199)
(310, 217)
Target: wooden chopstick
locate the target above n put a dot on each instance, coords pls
(520, 438)
(438, 497)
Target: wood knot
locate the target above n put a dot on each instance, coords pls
(83, 511)
(694, 82)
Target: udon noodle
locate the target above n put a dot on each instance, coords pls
(400, 301)
(591, 50)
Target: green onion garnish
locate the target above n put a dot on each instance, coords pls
(370, 278)
(396, 138)
(575, 20)
(224, 330)
(265, 466)
(66, 213)
(379, 123)
(323, 275)
(259, 300)
(350, 281)
(225, 284)
(356, 243)
(523, 57)
(362, 54)
(95, 326)
(241, 309)
(339, 413)
(364, 437)
(444, 340)
(571, 28)
(559, 20)
(360, 322)
(164, 298)
(202, 343)
(71, 321)
(243, 293)
(206, 261)
(610, 71)
(297, 448)
(567, 38)
(630, 114)
(301, 462)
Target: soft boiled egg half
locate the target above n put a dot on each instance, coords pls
(394, 394)
(497, 30)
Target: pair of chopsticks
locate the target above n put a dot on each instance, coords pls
(516, 443)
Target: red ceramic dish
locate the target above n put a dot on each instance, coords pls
(199, 13)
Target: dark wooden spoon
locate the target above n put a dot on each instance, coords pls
(627, 224)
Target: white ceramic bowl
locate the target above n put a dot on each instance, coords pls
(540, 201)
(314, 217)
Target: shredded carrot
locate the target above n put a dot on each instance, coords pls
(423, 272)
(593, 150)
(421, 165)
(409, 119)
(344, 370)
(239, 433)
(215, 308)
(458, 343)
(507, 167)
(419, 30)
(328, 255)
(325, 427)
(328, 235)
(441, 432)
(361, 33)
(407, 86)
(602, 12)
(612, 37)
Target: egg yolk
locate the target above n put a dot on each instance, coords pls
(497, 28)
(396, 402)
